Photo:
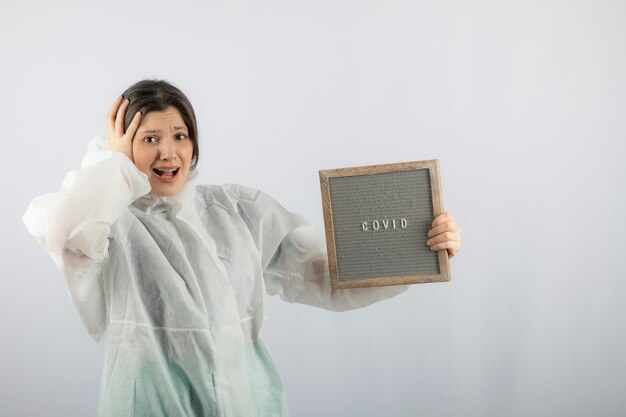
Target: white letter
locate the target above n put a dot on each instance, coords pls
(375, 225)
(403, 223)
(364, 226)
(385, 224)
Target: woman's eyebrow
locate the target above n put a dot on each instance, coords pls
(159, 130)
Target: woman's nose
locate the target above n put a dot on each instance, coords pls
(167, 151)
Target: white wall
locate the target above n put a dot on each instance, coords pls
(523, 103)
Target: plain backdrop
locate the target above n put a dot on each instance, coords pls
(522, 102)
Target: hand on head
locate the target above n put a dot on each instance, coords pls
(117, 139)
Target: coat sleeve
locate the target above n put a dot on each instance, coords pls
(294, 257)
(73, 224)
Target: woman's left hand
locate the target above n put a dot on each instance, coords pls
(445, 234)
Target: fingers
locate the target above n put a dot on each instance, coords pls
(446, 226)
(444, 237)
(134, 124)
(117, 140)
(445, 234)
(111, 115)
(119, 118)
(443, 217)
(114, 107)
(452, 247)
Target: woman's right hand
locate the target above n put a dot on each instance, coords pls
(117, 139)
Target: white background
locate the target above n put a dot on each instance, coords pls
(522, 102)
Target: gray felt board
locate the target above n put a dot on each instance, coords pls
(381, 224)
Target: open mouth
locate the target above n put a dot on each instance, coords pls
(166, 173)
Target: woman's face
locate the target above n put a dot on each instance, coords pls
(163, 150)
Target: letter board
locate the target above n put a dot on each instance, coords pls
(377, 220)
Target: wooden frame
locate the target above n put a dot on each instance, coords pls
(326, 177)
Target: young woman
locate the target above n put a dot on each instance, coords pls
(169, 276)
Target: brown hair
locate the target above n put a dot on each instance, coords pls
(157, 95)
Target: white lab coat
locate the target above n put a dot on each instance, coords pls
(173, 287)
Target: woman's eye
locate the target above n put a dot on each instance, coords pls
(181, 137)
(150, 139)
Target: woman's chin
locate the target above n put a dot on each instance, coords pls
(167, 189)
